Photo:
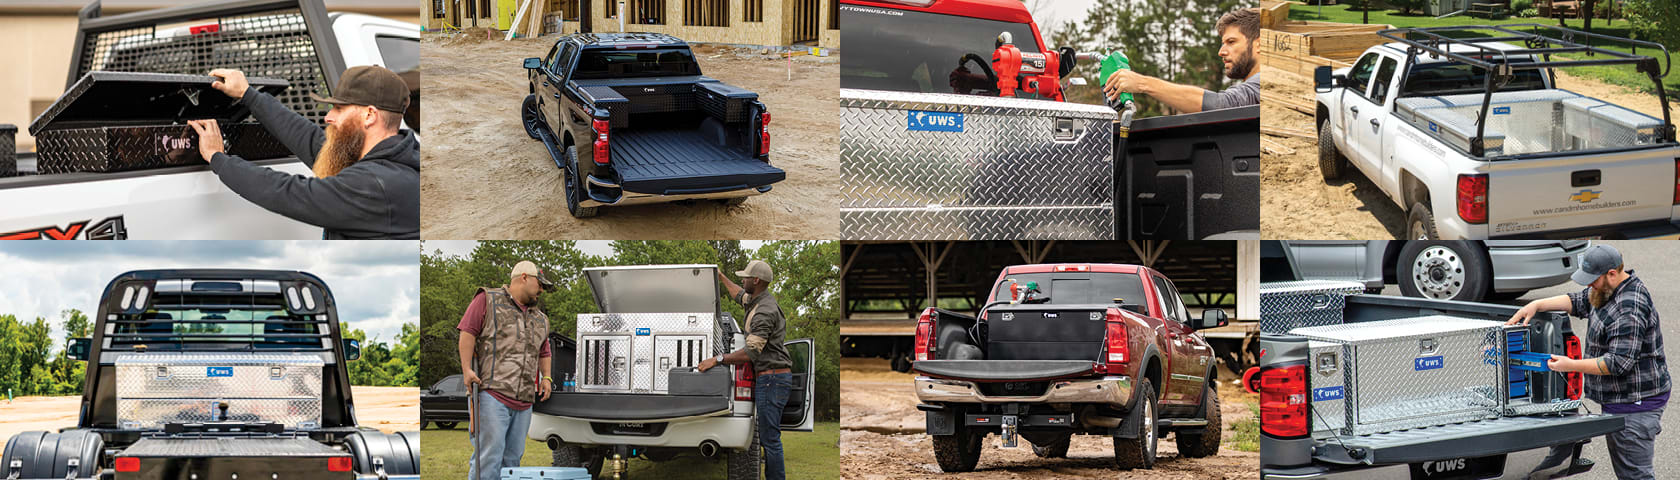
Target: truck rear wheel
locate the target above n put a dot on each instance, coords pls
(744, 464)
(1139, 451)
(445, 425)
(1444, 270)
(1420, 223)
(47, 455)
(958, 452)
(574, 186)
(1331, 163)
(574, 456)
(531, 116)
(1054, 449)
(1198, 445)
(398, 453)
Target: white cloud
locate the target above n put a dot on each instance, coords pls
(376, 283)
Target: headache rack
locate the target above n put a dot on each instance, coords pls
(1542, 41)
(278, 330)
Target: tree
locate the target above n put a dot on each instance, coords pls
(1655, 21)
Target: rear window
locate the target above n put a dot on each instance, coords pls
(1452, 78)
(918, 51)
(1070, 288)
(603, 63)
(219, 322)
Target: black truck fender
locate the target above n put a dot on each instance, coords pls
(51, 455)
(379, 453)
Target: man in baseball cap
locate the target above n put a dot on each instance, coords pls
(766, 328)
(1625, 369)
(504, 353)
(366, 167)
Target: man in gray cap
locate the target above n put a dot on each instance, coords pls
(1625, 369)
(367, 168)
(770, 361)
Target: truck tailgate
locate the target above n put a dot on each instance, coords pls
(1005, 370)
(675, 162)
(1469, 439)
(631, 406)
(1562, 193)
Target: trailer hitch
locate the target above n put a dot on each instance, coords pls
(1008, 431)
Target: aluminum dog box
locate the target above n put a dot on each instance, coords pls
(154, 389)
(1407, 373)
(115, 121)
(932, 166)
(654, 319)
(1286, 306)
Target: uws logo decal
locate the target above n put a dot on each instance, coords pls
(1443, 466)
(924, 121)
(168, 143)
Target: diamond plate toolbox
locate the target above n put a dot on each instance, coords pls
(158, 388)
(1286, 306)
(632, 352)
(926, 166)
(1375, 377)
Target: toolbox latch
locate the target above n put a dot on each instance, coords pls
(1066, 129)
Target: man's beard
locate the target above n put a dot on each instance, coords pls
(1241, 67)
(1598, 297)
(342, 148)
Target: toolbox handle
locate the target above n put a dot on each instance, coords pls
(1319, 301)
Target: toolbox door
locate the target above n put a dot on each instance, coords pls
(798, 414)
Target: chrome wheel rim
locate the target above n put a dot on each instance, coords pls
(1438, 273)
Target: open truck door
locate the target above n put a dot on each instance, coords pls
(798, 415)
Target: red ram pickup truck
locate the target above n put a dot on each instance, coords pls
(1064, 349)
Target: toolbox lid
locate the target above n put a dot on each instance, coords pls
(103, 98)
(654, 288)
(1387, 330)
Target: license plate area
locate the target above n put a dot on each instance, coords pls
(634, 429)
(1458, 468)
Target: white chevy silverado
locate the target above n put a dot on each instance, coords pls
(1545, 163)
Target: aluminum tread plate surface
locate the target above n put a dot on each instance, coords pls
(640, 348)
(1414, 372)
(166, 387)
(1004, 169)
(1285, 306)
(230, 447)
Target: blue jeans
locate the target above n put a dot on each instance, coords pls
(770, 396)
(500, 438)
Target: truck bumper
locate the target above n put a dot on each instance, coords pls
(729, 431)
(1528, 268)
(1544, 462)
(1107, 390)
(598, 196)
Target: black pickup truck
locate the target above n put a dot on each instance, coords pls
(632, 117)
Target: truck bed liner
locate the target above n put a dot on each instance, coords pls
(630, 406)
(1004, 370)
(672, 162)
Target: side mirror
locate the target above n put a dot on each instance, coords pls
(533, 63)
(1212, 318)
(352, 349)
(1323, 80)
(78, 348)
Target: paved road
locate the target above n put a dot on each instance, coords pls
(1658, 264)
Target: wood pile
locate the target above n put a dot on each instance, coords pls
(1299, 47)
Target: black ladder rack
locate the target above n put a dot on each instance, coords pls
(1536, 40)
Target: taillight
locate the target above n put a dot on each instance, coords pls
(924, 336)
(1677, 181)
(1572, 349)
(601, 142)
(1283, 401)
(1472, 198)
(1073, 268)
(338, 464)
(128, 464)
(1115, 341)
(764, 133)
(744, 381)
(206, 28)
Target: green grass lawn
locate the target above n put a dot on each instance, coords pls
(1247, 431)
(1623, 75)
(807, 456)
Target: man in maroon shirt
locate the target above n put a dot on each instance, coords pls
(504, 349)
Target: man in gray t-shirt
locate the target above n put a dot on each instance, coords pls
(1238, 32)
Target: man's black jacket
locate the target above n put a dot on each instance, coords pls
(376, 197)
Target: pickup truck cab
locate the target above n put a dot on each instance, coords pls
(209, 373)
(1546, 163)
(1295, 445)
(637, 394)
(189, 201)
(1065, 349)
(629, 119)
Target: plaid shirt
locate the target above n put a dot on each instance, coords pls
(1625, 333)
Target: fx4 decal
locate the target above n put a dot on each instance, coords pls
(108, 229)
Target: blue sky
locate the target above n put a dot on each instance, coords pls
(377, 283)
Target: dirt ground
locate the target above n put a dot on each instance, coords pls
(882, 437)
(1298, 203)
(389, 409)
(484, 178)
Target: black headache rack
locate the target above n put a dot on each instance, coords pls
(214, 310)
(1543, 41)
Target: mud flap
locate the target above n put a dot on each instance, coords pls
(940, 420)
(1129, 426)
